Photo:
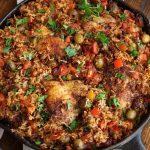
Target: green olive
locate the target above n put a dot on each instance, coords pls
(78, 38)
(131, 114)
(99, 62)
(78, 144)
(145, 38)
(10, 65)
(65, 139)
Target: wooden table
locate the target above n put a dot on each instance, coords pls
(7, 5)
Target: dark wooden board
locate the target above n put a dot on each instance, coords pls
(8, 142)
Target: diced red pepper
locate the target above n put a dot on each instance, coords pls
(102, 124)
(118, 63)
(111, 124)
(95, 47)
(1, 62)
(95, 112)
(90, 73)
(27, 65)
(63, 70)
(2, 97)
(124, 25)
(104, 3)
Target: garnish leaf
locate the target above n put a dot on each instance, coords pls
(123, 17)
(22, 21)
(41, 11)
(70, 51)
(29, 56)
(134, 53)
(121, 76)
(114, 102)
(73, 125)
(12, 30)
(8, 45)
(52, 24)
(30, 90)
(101, 96)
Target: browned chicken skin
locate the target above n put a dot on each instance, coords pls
(61, 101)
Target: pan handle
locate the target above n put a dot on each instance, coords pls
(135, 144)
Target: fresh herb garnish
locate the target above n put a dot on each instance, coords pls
(22, 21)
(100, 85)
(8, 45)
(42, 98)
(12, 30)
(65, 77)
(45, 116)
(38, 142)
(73, 125)
(15, 107)
(99, 36)
(47, 77)
(52, 7)
(140, 44)
(30, 90)
(70, 30)
(29, 56)
(52, 24)
(148, 61)
(123, 17)
(135, 66)
(69, 104)
(41, 11)
(120, 76)
(124, 113)
(114, 102)
(39, 30)
(134, 53)
(70, 51)
(102, 37)
(28, 72)
(90, 9)
(79, 67)
(100, 96)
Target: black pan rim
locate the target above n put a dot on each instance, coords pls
(124, 140)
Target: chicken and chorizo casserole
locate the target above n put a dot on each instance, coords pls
(74, 74)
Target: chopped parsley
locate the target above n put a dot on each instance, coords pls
(12, 30)
(29, 56)
(70, 30)
(102, 37)
(70, 51)
(135, 66)
(148, 61)
(28, 72)
(22, 21)
(120, 76)
(38, 142)
(41, 11)
(140, 44)
(79, 67)
(69, 104)
(15, 107)
(100, 85)
(90, 9)
(99, 36)
(8, 45)
(52, 24)
(101, 96)
(45, 116)
(30, 90)
(134, 53)
(39, 30)
(52, 7)
(47, 77)
(114, 102)
(65, 77)
(42, 98)
(123, 17)
(73, 125)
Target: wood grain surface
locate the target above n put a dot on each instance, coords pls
(7, 5)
